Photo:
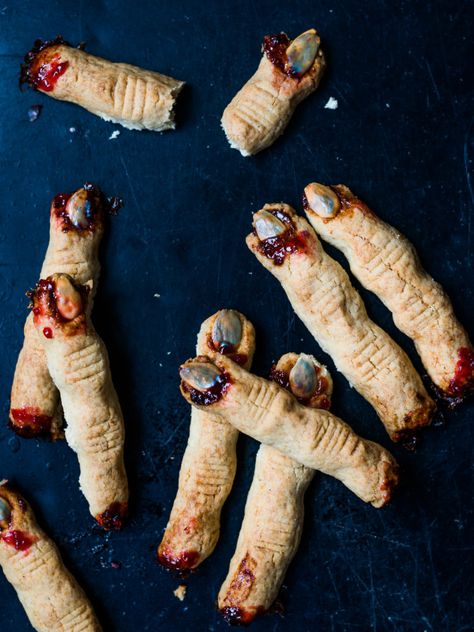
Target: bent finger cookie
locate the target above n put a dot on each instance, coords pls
(51, 597)
(288, 72)
(386, 263)
(271, 415)
(76, 229)
(209, 462)
(121, 93)
(79, 365)
(322, 296)
(271, 529)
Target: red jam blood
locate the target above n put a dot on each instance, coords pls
(274, 47)
(210, 395)
(185, 561)
(43, 76)
(19, 540)
(278, 248)
(409, 439)
(462, 383)
(47, 332)
(113, 518)
(48, 74)
(30, 422)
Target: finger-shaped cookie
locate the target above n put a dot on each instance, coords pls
(209, 462)
(271, 415)
(271, 529)
(79, 365)
(51, 597)
(121, 93)
(386, 263)
(322, 296)
(76, 229)
(288, 72)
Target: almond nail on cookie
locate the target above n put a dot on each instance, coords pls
(271, 529)
(288, 72)
(386, 263)
(124, 94)
(76, 229)
(78, 363)
(209, 462)
(51, 597)
(273, 416)
(322, 295)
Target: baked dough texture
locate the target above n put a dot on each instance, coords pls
(386, 263)
(271, 529)
(124, 94)
(314, 438)
(34, 405)
(79, 365)
(322, 296)
(51, 597)
(207, 470)
(261, 110)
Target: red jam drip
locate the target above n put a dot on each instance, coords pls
(48, 74)
(211, 395)
(28, 72)
(409, 439)
(45, 305)
(19, 540)
(274, 47)
(185, 561)
(113, 518)
(289, 242)
(47, 332)
(462, 383)
(30, 422)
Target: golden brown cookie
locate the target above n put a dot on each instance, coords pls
(386, 263)
(121, 93)
(322, 296)
(271, 529)
(51, 597)
(76, 229)
(288, 72)
(272, 415)
(79, 365)
(209, 462)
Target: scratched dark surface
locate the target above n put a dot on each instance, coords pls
(402, 138)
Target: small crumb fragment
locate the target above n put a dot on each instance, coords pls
(180, 592)
(157, 295)
(168, 353)
(115, 134)
(72, 130)
(332, 104)
(116, 565)
(34, 112)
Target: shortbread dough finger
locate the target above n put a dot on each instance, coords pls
(322, 296)
(121, 93)
(288, 72)
(51, 597)
(76, 229)
(271, 415)
(79, 365)
(209, 462)
(386, 263)
(271, 529)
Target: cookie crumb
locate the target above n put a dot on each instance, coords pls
(180, 592)
(34, 112)
(332, 104)
(156, 295)
(115, 134)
